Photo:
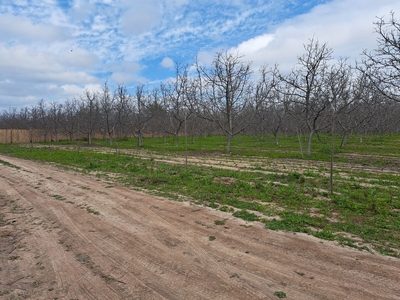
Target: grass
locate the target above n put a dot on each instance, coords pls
(219, 222)
(92, 211)
(292, 193)
(58, 197)
(280, 294)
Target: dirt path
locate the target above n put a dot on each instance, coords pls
(54, 245)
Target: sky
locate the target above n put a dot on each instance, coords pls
(56, 49)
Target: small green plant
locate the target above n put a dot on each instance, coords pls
(92, 211)
(219, 222)
(5, 292)
(280, 294)
(213, 205)
(211, 238)
(14, 258)
(58, 197)
(325, 234)
(226, 209)
(245, 215)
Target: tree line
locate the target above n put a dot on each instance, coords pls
(319, 95)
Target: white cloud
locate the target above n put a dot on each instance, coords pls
(79, 58)
(116, 38)
(125, 72)
(345, 25)
(167, 63)
(23, 63)
(17, 28)
(141, 17)
(82, 10)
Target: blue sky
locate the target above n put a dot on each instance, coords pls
(55, 49)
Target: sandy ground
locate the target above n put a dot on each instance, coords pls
(53, 245)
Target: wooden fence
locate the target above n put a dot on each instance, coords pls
(22, 136)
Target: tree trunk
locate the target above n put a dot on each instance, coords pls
(276, 139)
(308, 151)
(344, 140)
(228, 147)
(140, 139)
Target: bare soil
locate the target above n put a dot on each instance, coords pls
(64, 235)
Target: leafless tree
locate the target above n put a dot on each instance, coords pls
(270, 107)
(54, 116)
(108, 115)
(40, 118)
(225, 94)
(69, 118)
(89, 113)
(142, 113)
(308, 87)
(174, 102)
(383, 65)
(122, 106)
(356, 109)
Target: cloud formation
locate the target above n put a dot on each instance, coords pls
(56, 49)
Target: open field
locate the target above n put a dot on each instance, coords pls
(259, 223)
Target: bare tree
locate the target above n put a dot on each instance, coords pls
(270, 108)
(122, 106)
(69, 118)
(89, 114)
(174, 102)
(41, 118)
(143, 112)
(383, 65)
(108, 115)
(309, 87)
(225, 94)
(355, 109)
(54, 116)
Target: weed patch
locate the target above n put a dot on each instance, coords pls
(245, 215)
(280, 294)
(92, 211)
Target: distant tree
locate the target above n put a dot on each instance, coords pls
(356, 108)
(69, 118)
(40, 118)
(142, 112)
(122, 106)
(89, 113)
(174, 102)
(54, 112)
(270, 108)
(107, 112)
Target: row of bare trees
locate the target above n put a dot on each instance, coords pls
(320, 95)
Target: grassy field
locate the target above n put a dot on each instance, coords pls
(258, 181)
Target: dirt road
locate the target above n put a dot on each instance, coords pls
(64, 235)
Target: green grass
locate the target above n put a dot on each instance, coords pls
(280, 294)
(92, 211)
(365, 206)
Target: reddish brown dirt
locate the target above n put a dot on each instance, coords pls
(52, 246)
